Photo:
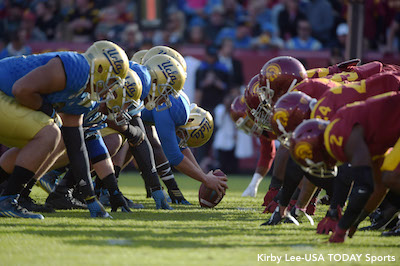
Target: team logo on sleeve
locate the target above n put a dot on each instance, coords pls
(272, 71)
(303, 150)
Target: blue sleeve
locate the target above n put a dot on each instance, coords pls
(165, 127)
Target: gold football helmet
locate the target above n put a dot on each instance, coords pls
(138, 56)
(198, 129)
(167, 77)
(126, 99)
(108, 68)
(165, 50)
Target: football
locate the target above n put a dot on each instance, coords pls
(209, 198)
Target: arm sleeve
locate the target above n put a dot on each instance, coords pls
(165, 127)
(267, 153)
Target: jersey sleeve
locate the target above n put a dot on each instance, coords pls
(165, 127)
(267, 153)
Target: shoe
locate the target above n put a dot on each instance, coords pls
(49, 181)
(29, 204)
(395, 231)
(64, 201)
(97, 210)
(133, 205)
(104, 197)
(9, 207)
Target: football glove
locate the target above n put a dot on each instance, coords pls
(161, 201)
(269, 197)
(117, 200)
(330, 221)
(338, 235)
(275, 218)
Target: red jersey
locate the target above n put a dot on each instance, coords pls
(315, 87)
(379, 117)
(337, 97)
(351, 73)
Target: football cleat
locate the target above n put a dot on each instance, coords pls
(64, 201)
(29, 204)
(133, 205)
(49, 181)
(9, 207)
(104, 197)
(97, 210)
(395, 231)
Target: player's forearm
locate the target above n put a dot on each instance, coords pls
(188, 153)
(188, 168)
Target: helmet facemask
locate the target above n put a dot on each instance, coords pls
(158, 97)
(319, 169)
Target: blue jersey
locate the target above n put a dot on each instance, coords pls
(76, 68)
(166, 122)
(144, 76)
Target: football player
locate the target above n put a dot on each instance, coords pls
(356, 134)
(239, 115)
(293, 108)
(34, 88)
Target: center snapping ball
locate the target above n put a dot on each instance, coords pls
(208, 198)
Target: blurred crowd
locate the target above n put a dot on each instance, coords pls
(219, 25)
(251, 24)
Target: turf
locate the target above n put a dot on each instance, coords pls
(230, 234)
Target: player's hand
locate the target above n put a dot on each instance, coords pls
(161, 201)
(177, 197)
(271, 207)
(118, 201)
(96, 209)
(216, 183)
(329, 223)
(269, 197)
(275, 219)
(338, 235)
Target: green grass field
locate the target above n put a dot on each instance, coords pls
(230, 234)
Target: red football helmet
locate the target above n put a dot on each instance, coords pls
(289, 111)
(239, 115)
(308, 150)
(261, 111)
(278, 76)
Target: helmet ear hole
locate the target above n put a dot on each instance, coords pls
(190, 120)
(100, 69)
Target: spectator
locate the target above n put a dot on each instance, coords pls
(342, 32)
(196, 35)
(394, 35)
(131, 39)
(82, 21)
(234, 66)
(215, 23)
(46, 20)
(268, 39)
(212, 80)
(225, 137)
(192, 64)
(303, 40)
(241, 35)
(17, 46)
(321, 17)
(174, 31)
(288, 19)
(212, 84)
